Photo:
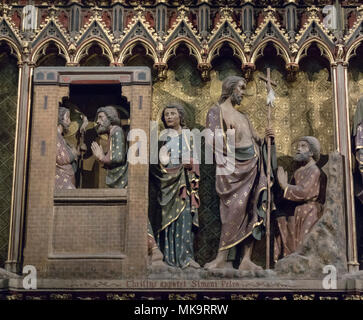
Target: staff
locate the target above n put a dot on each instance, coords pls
(270, 100)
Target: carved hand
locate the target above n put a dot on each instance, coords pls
(282, 177)
(84, 124)
(269, 133)
(97, 150)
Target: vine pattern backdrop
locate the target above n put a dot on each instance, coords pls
(8, 100)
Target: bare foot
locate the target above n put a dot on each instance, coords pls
(192, 264)
(220, 262)
(248, 265)
(157, 258)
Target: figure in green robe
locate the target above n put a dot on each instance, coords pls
(178, 183)
(115, 161)
(108, 122)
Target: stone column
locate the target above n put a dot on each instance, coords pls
(13, 262)
(342, 136)
(139, 97)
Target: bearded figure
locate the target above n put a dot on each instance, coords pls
(115, 161)
(303, 194)
(242, 191)
(108, 122)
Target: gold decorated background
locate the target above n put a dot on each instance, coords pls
(303, 107)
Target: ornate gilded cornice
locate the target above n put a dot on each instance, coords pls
(226, 17)
(9, 31)
(52, 18)
(139, 17)
(182, 18)
(4, 9)
(314, 18)
(94, 21)
(348, 37)
(269, 18)
(139, 27)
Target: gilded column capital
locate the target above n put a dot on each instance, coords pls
(162, 70)
(247, 70)
(204, 68)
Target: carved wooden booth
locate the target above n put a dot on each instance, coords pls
(97, 232)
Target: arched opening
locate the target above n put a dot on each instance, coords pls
(313, 61)
(51, 55)
(8, 105)
(85, 100)
(94, 55)
(226, 63)
(317, 95)
(270, 58)
(185, 68)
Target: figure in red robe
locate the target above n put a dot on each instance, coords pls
(303, 193)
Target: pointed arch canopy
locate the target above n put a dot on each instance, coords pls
(42, 45)
(127, 50)
(170, 51)
(282, 51)
(351, 50)
(322, 46)
(13, 46)
(88, 43)
(214, 51)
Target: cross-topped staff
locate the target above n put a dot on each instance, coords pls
(270, 101)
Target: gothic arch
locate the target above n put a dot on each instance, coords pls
(88, 43)
(214, 51)
(43, 45)
(325, 51)
(13, 46)
(193, 50)
(351, 50)
(127, 50)
(281, 50)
